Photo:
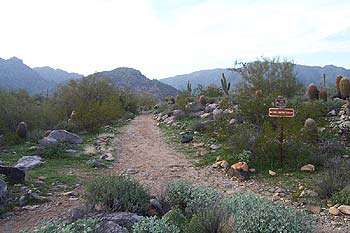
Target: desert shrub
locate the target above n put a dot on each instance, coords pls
(35, 135)
(255, 214)
(211, 91)
(244, 156)
(243, 137)
(88, 225)
(341, 197)
(117, 193)
(178, 193)
(271, 76)
(335, 179)
(154, 225)
(216, 220)
(55, 151)
(199, 126)
(191, 199)
(182, 100)
(176, 217)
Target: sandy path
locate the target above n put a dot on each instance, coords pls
(142, 149)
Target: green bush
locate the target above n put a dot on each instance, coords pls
(117, 193)
(191, 199)
(214, 220)
(255, 214)
(154, 225)
(177, 218)
(55, 151)
(88, 225)
(342, 197)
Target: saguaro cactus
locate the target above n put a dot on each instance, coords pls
(189, 88)
(344, 87)
(312, 92)
(323, 91)
(225, 85)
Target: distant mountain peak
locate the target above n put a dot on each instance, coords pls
(15, 60)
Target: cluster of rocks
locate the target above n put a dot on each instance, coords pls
(340, 121)
(238, 170)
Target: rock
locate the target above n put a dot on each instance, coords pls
(124, 219)
(224, 164)
(215, 147)
(3, 192)
(71, 151)
(111, 227)
(65, 136)
(332, 113)
(170, 120)
(314, 209)
(186, 138)
(344, 209)
(205, 115)
(194, 107)
(252, 170)
(197, 145)
(14, 175)
(22, 201)
(217, 114)
(107, 156)
(240, 166)
(47, 141)
(232, 122)
(29, 162)
(178, 113)
(272, 173)
(308, 168)
(211, 107)
(95, 163)
(155, 207)
(308, 193)
(131, 171)
(90, 150)
(334, 211)
(76, 213)
(22, 130)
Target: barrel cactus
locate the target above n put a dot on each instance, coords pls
(312, 92)
(202, 100)
(22, 130)
(344, 87)
(323, 94)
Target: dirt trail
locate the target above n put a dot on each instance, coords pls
(143, 153)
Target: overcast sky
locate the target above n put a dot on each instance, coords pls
(168, 37)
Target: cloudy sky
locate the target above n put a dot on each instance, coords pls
(168, 37)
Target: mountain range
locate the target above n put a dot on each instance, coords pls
(305, 74)
(15, 75)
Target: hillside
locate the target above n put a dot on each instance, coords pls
(14, 75)
(305, 74)
(56, 75)
(129, 78)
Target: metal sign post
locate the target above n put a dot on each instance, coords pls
(280, 111)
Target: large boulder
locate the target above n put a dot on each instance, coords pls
(65, 136)
(29, 162)
(194, 107)
(177, 113)
(211, 107)
(14, 175)
(344, 209)
(218, 114)
(47, 141)
(123, 219)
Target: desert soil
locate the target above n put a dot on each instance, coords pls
(141, 152)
